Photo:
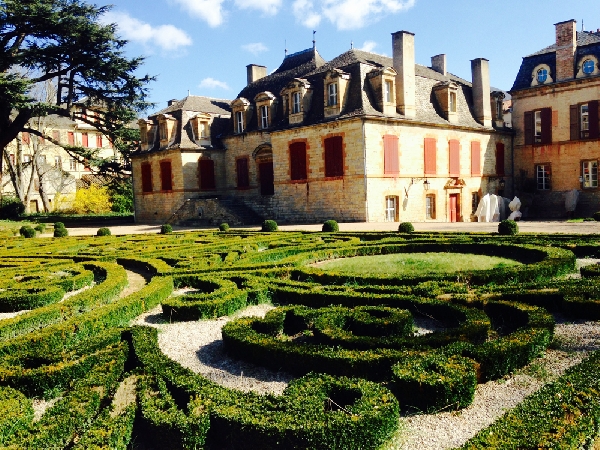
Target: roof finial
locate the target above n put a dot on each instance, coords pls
(582, 29)
(188, 92)
(314, 41)
(285, 45)
(351, 45)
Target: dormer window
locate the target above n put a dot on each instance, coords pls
(203, 129)
(332, 91)
(587, 66)
(265, 102)
(166, 128)
(201, 126)
(497, 104)
(382, 83)
(452, 102)
(446, 94)
(296, 103)
(239, 108)
(163, 131)
(541, 75)
(388, 94)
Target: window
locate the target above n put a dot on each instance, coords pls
(334, 157)
(332, 94)
(454, 158)
(58, 162)
(538, 126)
(298, 161)
(239, 121)
(588, 66)
(542, 75)
(41, 160)
(499, 111)
(391, 208)
(264, 117)
(203, 129)
(243, 178)
(166, 179)
(70, 138)
(99, 141)
(296, 101)
(163, 131)
(26, 158)
(388, 91)
(542, 173)
(390, 155)
(475, 158)
(452, 101)
(72, 164)
(207, 174)
(430, 206)
(590, 174)
(146, 177)
(499, 158)
(25, 137)
(56, 135)
(584, 121)
(430, 156)
(474, 202)
(84, 140)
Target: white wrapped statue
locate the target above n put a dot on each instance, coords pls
(571, 199)
(515, 206)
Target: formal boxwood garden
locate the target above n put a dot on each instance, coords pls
(364, 348)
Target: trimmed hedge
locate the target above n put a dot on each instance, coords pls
(103, 232)
(330, 226)
(406, 227)
(508, 228)
(269, 226)
(17, 413)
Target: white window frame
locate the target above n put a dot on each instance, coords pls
(588, 62)
(543, 178)
(296, 103)
(584, 121)
(541, 75)
(332, 94)
(430, 207)
(537, 126)
(389, 85)
(58, 161)
(239, 120)
(452, 102)
(203, 129)
(589, 171)
(264, 116)
(391, 206)
(73, 164)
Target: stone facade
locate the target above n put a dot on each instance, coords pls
(362, 137)
(562, 153)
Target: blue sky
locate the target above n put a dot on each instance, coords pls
(204, 45)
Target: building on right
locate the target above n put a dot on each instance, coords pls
(555, 116)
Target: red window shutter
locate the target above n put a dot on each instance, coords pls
(528, 127)
(475, 158)
(99, 141)
(146, 177)
(454, 163)
(56, 135)
(334, 157)
(70, 138)
(243, 178)
(574, 122)
(546, 116)
(391, 165)
(166, 181)
(593, 117)
(207, 174)
(298, 161)
(84, 140)
(430, 157)
(500, 158)
(25, 137)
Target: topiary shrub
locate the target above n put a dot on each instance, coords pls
(224, 227)
(40, 227)
(166, 229)
(58, 225)
(596, 216)
(269, 225)
(27, 232)
(508, 228)
(11, 208)
(331, 226)
(60, 231)
(103, 232)
(406, 227)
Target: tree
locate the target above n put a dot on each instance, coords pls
(63, 43)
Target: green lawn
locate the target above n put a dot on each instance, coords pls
(416, 263)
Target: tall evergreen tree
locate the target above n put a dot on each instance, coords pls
(65, 42)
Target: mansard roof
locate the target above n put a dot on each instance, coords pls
(583, 38)
(199, 104)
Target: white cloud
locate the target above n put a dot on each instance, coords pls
(347, 14)
(211, 83)
(211, 11)
(304, 10)
(255, 48)
(167, 37)
(269, 7)
(369, 46)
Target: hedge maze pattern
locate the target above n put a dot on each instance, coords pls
(348, 338)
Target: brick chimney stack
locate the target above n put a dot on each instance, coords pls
(438, 63)
(403, 48)
(566, 44)
(480, 69)
(255, 72)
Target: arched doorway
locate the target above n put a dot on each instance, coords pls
(263, 156)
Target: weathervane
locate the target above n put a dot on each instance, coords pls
(314, 41)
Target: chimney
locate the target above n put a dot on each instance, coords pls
(255, 72)
(438, 63)
(172, 101)
(480, 69)
(566, 43)
(403, 48)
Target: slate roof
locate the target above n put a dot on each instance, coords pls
(588, 43)
(198, 104)
(361, 99)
